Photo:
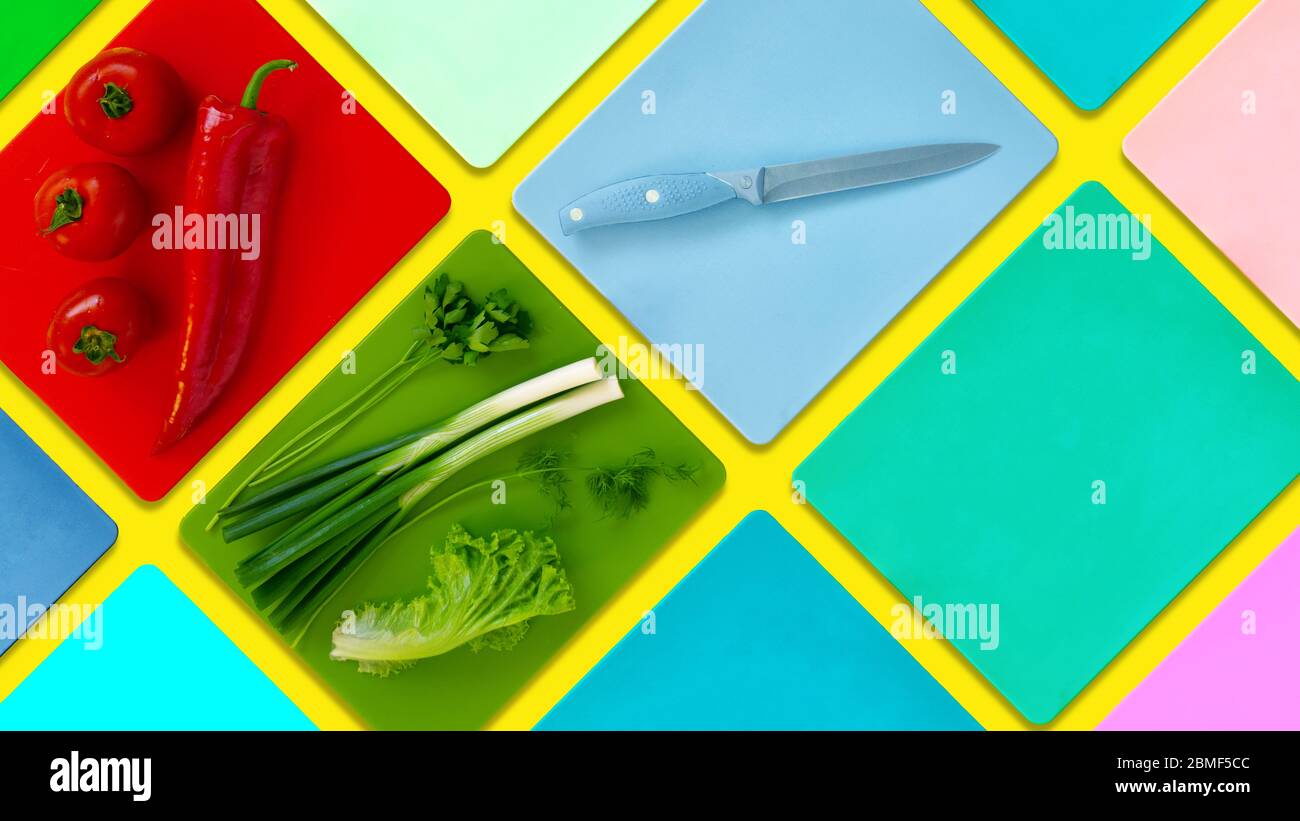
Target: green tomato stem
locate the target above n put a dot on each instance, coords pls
(97, 345)
(68, 208)
(115, 103)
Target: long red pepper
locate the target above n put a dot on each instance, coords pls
(236, 166)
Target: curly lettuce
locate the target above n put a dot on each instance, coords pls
(483, 592)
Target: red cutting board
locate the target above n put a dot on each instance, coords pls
(354, 203)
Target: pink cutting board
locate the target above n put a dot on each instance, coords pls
(1223, 148)
(1223, 676)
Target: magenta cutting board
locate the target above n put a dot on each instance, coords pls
(1238, 670)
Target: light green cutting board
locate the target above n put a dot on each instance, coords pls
(29, 30)
(481, 71)
(1098, 443)
(463, 689)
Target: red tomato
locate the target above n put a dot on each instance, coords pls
(99, 327)
(92, 211)
(125, 101)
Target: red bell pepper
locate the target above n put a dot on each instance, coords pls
(236, 167)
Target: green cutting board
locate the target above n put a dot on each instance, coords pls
(1072, 446)
(462, 689)
(29, 30)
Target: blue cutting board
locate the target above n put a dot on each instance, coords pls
(743, 84)
(758, 637)
(50, 532)
(1089, 48)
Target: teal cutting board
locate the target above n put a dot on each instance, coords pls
(464, 689)
(1089, 48)
(758, 637)
(481, 71)
(1078, 440)
(29, 30)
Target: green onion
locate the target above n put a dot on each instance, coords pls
(295, 496)
(306, 565)
(315, 476)
(455, 330)
(295, 450)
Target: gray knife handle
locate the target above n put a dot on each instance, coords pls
(655, 197)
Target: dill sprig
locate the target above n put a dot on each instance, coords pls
(545, 468)
(621, 490)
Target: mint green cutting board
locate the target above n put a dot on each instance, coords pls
(462, 689)
(1073, 367)
(29, 30)
(481, 71)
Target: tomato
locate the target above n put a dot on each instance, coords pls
(99, 327)
(125, 101)
(92, 211)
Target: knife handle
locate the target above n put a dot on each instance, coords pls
(655, 197)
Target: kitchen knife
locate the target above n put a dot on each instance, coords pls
(660, 196)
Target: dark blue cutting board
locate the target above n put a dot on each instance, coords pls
(50, 531)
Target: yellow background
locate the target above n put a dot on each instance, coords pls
(758, 477)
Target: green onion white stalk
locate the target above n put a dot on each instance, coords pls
(303, 567)
(456, 330)
(295, 497)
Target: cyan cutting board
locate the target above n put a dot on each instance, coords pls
(1089, 48)
(783, 296)
(50, 532)
(758, 637)
(201, 682)
(1073, 445)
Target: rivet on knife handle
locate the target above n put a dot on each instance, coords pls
(671, 195)
(655, 197)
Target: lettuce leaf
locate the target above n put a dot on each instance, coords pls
(482, 593)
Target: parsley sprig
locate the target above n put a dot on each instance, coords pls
(459, 331)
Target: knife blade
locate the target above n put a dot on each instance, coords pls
(660, 196)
